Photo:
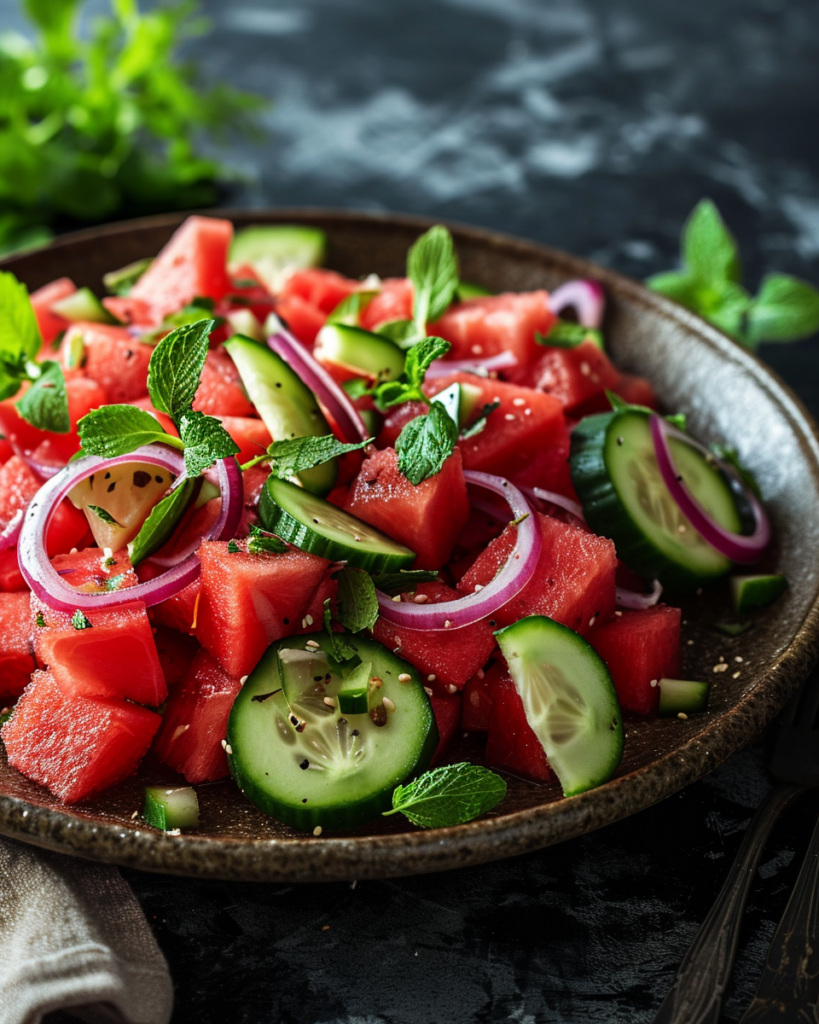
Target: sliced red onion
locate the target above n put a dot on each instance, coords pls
(444, 367)
(331, 395)
(567, 504)
(46, 582)
(44, 470)
(738, 547)
(587, 298)
(631, 599)
(10, 532)
(512, 578)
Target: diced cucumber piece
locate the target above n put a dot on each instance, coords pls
(466, 290)
(83, 304)
(242, 321)
(460, 401)
(450, 399)
(681, 696)
(569, 700)
(75, 356)
(349, 310)
(171, 809)
(356, 691)
(365, 353)
(332, 769)
(286, 405)
(120, 282)
(312, 524)
(750, 593)
(614, 470)
(276, 250)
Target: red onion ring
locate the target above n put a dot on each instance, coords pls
(330, 394)
(586, 297)
(738, 547)
(46, 582)
(572, 507)
(512, 578)
(631, 599)
(444, 367)
(44, 470)
(11, 531)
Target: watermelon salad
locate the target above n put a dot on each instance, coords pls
(259, 520)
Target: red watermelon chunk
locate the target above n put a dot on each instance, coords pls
(11, 579)
(640, 648)
(51, 324)
(303, 319)
(577, 377)
(572, 584)
(18, 485)
(476, 713)
(16, 647)
(177, 612)
(447, 711)
(220, 390)
(636, 391)
(451, 656)
(111, 356)
(393, 302)
(525, 424)
(248, 601)
(250, 434)
(492, 324)
(426, 518)
(395, 421)
(313, 617)
(75, 746)
(512, 744)
(176, 651)
(195, 722)
(323, 289)
(192, 264)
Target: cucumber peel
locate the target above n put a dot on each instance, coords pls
(750, 593)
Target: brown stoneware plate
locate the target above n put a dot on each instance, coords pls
(729, 397)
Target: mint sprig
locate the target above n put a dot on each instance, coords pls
(205, 441)
(19, 334)
(340, 650)
(296, 455)
(118, 429)
(176, 367)
(432, 266)
(425, 444)
(263, 543)
(710, 284)
(409, 386)
(357, 600)
(450, 795)
(45, 403)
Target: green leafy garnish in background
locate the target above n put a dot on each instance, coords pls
(100, 119)
(710, 284)
(450, 795)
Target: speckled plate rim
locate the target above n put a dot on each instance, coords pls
(359, 857)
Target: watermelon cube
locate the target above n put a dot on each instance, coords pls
(393, 302)
(302, 317)
(426, 518)
(11, 579)
(194, 725)
(572, 584)
(16, 647)
(492, 324)
(247, 601)
(512, 744)
(51, 324)
(640, 648)
(176, 651)
(447, 711)
(323, 289)
(476, 713)
(73, 745)
(111, 356)
(250, 434)
(220, 390)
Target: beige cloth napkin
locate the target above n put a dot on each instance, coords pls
(74, 938)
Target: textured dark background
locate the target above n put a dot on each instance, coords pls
(592, 125)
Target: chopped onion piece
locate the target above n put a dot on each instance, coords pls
(632, 599)
(587, 298)
(10, 533)
(567, 504)
(444, 367)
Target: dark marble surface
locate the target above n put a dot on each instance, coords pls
(592, 125)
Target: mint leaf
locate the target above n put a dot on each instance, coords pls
(450, 795)
(433, 269)
(79, 620)
(161, 522)
(296, 455)
(425, 444)
(205, 441)
(340, 650)
(176, 367)
(357, 387)
(680, 286)
(785, 309)
(726, 308)
(408, 387)
(103, 514)
(45, 404)
(120, 282)
(357, 600)
(404, 580)
(481, 420)
(709, 250)
(262, 542)
(118, 429)
(405, 333)
(20, 339)
(564, 334)
(349, 310)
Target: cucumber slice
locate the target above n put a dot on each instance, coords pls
(366, 354)
(276, 250)
(460, 401)
(335, 770)
(349, 310)
(171, 809)
(750, 593)
(681, 696)
(242, 321)
(470, 291)
(286, 405)
(569, 700)
(120, 282)
(312, 524)
(614, 470)
(83, 304)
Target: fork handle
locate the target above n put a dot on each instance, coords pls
(789, 988)
(696, 995)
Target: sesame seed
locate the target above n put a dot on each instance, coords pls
(325, 927)
(452, 688)
(690, 643)
(447, 623)
(304, 623)
(618, 614)
(431, 677)
(527, 412)
(592, 620)
(317, 830)
(721, 658)
(224, 744)
(404, 677)
(108, 552)
(308, 619)
(243, 680)
(73, 551)
(134, 815)
(420, 598)
(477, 350)
(228, 749)
(722, 667)
(736, 675)
(738, 659)
(388, 704)
(478, 588)
(510, 416)
(682, 716)
(428, 691)
(481, 673)
(653, 682)
(519, 401)
(585, 369)
(312, 644)
(357, 538)
(329, 702)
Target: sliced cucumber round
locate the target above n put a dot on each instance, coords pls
(365, 353)
(615, 473)
(312, 524)
(299, 758)
(286, 405)
(569, 700)
(274, 250)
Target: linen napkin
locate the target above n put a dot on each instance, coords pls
(74, 938)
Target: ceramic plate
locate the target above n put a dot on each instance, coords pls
(729, 397)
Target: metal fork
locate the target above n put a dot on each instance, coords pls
(792, 971)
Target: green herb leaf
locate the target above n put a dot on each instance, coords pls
(565, 334)
(176, 367)
(357, 600)
(45, 404)
(104, 515)
(408, 387)
(161, 522)
(205, 441)
(349, 310)
(357, 387)
(262, 542)
(233, 548)
(425, 444)
(404, 580)
(432, 267)
(118, 429)
(680, 286)
(481, 420)
(785, 309)
(340, 650)
(709, 249)
(450, 795)
(297, 455)
(405, 333)
(79, 621)
(20, 339)
(120, 282)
